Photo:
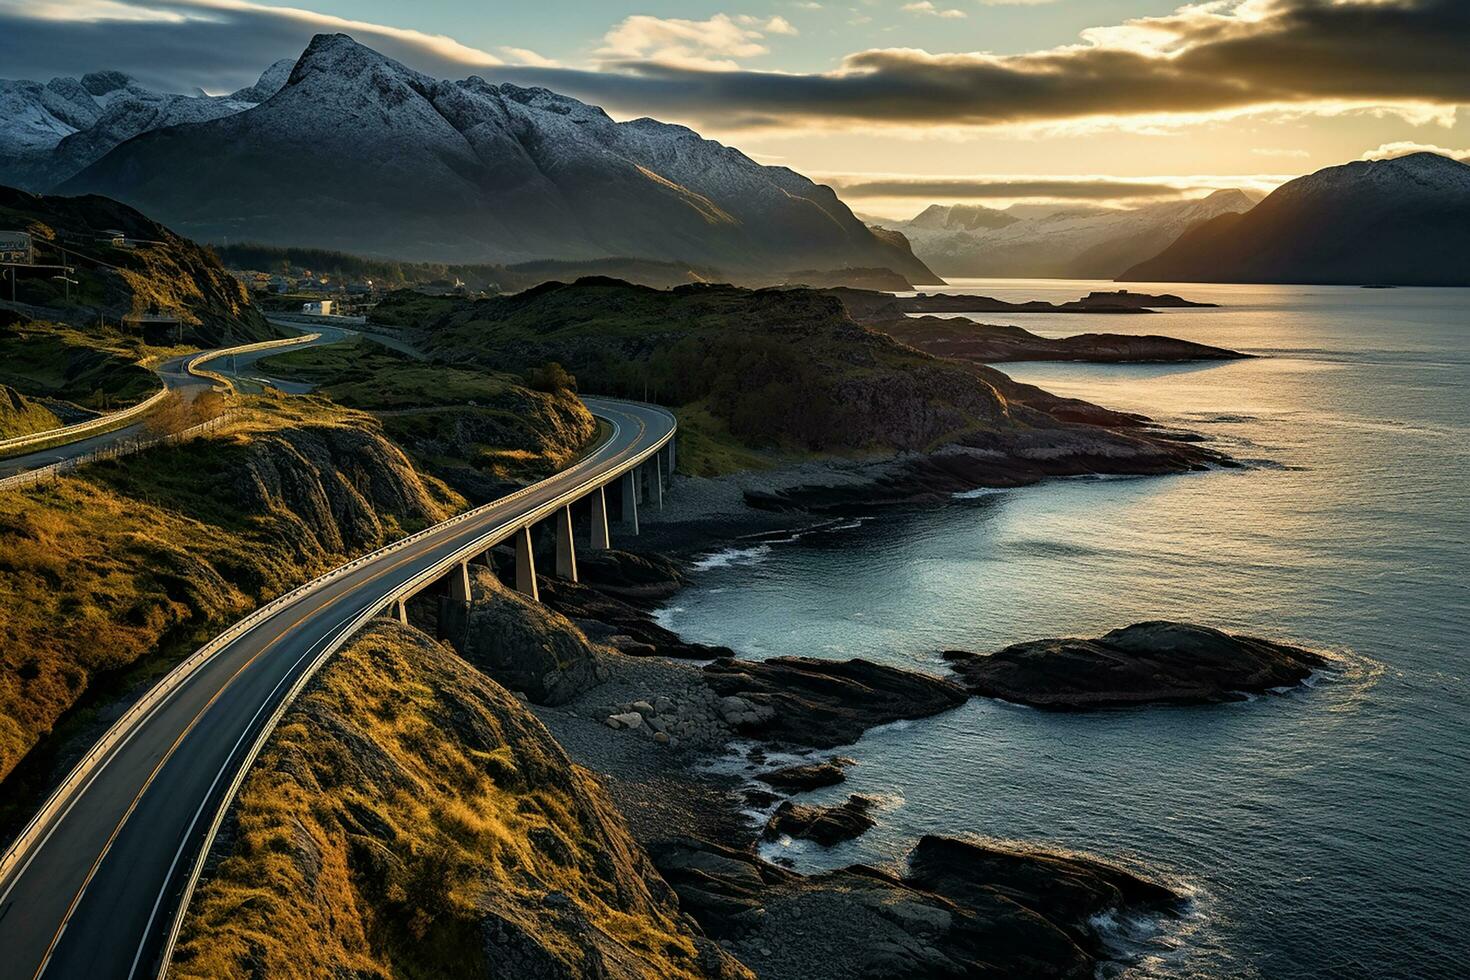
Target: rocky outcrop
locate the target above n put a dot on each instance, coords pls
(962, 909)
(522, 644)
(411, 817)
(807, 775)
(827, 825)
(1146, 663)
(824, 703)
(642, 578)
(334, 484)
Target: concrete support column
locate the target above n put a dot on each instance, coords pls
(656, 482)
(459, 582)
(483, 558)
(669, 450)
(600, 538)
(566, 547)
(526, 564)
(400, 610)
(630, 499)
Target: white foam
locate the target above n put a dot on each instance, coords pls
(731, 556)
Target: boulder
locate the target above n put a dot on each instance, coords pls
(1146, 663)
(522, 644)
(809, 775)
(825, 703)
(827, 825)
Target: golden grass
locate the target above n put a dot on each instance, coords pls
(408, 810)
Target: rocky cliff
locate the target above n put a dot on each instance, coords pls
(410, 818)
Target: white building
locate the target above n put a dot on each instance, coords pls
(321, 307)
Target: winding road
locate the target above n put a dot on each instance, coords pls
(176, 376)
(97, 886)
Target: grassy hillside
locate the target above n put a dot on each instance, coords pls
(161, 271)
(95, 369)
(110, 575)
(409, 818)
(754, 372)
(21, 416)
(477, 429)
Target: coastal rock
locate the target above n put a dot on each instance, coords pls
(631, 577)
(827, 825)
(961, 910)
(609, 618)
(825, 703)
(522, 644)
(1146, 663)
(809, 775)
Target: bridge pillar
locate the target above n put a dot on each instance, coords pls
(656, 482)
(630, 499)
(600, 539)
(459, 582)
(400, 610)
(526, 564)
(670, 448)
(566, 547)
(483, 558)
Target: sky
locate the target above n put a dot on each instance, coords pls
(896, 103)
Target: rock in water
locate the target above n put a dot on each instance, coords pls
(827, 825)
(1146, 663)
(810, 775)
(824, 703)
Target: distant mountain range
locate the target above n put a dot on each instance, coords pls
(1402, 222)
(347, 149)
(1071, 243)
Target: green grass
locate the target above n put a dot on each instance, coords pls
(97, 370)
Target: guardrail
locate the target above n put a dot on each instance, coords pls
(123, 447)
(71, 433)
(160, 692)
(114, 420)
(194, 364)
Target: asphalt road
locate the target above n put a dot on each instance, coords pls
(175, 376)
(96, 896)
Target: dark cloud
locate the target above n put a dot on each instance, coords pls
(982, 189)
(1201, 58)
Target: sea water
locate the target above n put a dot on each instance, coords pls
(1319, 832)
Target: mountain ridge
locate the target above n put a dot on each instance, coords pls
(356, 151)
(1403, 221)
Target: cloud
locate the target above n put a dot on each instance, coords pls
(1388, 151)
(1283, 153)
(695, 44)
(177, 45)
(1089, 187)
(1211, 59)
(525, 56)
(926, 7)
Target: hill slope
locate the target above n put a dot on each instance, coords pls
(358, 152)
(160, 270)
(1401, 222)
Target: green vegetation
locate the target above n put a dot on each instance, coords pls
(112, 574)
(158, 271)
(95, 369)
(410, 818)
(756, 375)
(20, 416)
(466, 424)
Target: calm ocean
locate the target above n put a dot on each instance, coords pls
(1322, 833)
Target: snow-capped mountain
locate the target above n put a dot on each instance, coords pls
(1404, 221)
(1076, 243)
(360, 153)
(50, 131)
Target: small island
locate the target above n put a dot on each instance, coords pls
(1146, 663)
